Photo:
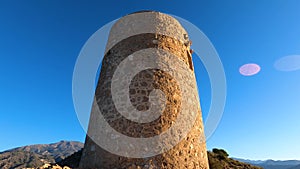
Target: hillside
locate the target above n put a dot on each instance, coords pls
(295, 167)
(37, 155)
(218, 159)
(22, 159)
(66, 153)
(58, 151)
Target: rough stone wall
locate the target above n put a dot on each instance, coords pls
(128, 37)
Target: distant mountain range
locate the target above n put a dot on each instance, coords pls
(272, 164)
(38, 155)
(68, 153)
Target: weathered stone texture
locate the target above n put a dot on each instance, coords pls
(164, 33)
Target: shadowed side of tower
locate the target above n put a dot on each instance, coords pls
(136, 40)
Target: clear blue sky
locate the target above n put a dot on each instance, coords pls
(40, 41)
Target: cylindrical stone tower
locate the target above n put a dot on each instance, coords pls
(146, 111)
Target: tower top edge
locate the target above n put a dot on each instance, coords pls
(146, 21)
(143, 11)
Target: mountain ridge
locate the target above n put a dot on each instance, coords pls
(68, 153)
(273, 164)
(38, 154)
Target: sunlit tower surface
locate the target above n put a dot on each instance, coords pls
(159, 40)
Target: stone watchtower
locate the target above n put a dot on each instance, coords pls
(146, 111)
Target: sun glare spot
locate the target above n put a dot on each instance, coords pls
(249, 69)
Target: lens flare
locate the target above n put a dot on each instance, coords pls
(288, 63)
(249, 69)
